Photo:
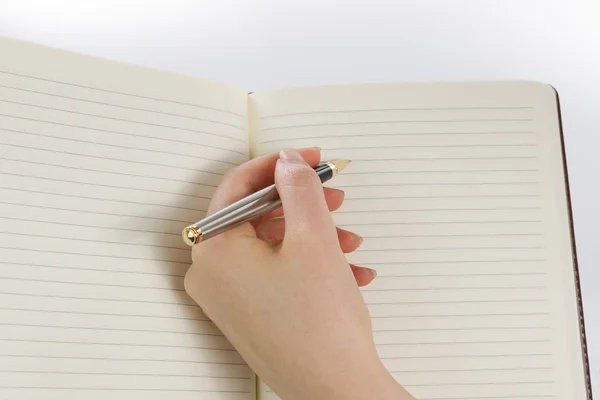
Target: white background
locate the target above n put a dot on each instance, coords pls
(269, 43)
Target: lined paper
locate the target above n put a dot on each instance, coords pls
(101, 166)
(458, 191)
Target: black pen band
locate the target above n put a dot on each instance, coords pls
(325, 172)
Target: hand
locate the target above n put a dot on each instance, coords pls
(282, 291)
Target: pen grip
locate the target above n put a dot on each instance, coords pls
(323, 171)
(259, 204)
(244, 210)
(238, 218)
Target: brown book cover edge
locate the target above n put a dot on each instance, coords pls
(584, 349)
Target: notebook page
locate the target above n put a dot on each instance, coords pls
(458, 191)
(101, 167)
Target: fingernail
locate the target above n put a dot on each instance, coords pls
(360, 239)
(373, 272)
(291, 156)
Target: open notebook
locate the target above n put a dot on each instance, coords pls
(459, 190)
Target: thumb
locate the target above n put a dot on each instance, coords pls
(303, 199)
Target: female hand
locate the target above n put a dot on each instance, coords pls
(282, 291)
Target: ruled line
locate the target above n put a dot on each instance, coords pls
(92, 226)
(356, 160)
(107, 104)
(520, 396)
(118, 92)
(130, 147)
(95, 212)
(121, 344)
(96, 255)
(457, 288)
(186, 249)
(481, 383)
(92, 269)
(125, 389)
(110, 158)
(460, 275)
(453, 235)
(449, 248)
(107, 186)
(488, 158)
(508, 260)
(399, 134)
(471, 356)
(397, 109)
(124, 374)
(393, 122)
(101, 299)
(126, 133)
(461, 315)
(470, 171)
(115, 173)
(479, 328)
(379, 210)
(549, 368)
(440, 184)
(439, 222)
(428, 146)
(466, 342)
(101, 199)
(123, 119)
(93, 284)
(113, 329)
(392, 303)
(484, 196)
(107, 314)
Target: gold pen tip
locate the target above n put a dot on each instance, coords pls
(340, 165)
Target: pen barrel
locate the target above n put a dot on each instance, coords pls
(254, 206)
(245, 202)
(237, 218)
(244, 210)
(250, 208)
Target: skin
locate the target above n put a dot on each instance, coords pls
(282, 291)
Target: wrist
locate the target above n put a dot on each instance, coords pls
(368, 383)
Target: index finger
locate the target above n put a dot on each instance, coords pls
(252, 176)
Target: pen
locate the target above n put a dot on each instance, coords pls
(249, 208)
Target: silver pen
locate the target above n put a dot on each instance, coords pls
(249, 208)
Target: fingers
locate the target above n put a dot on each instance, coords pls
(273, 232)
(253, 176)
(333, 197)
(363, 275)
(301, 192)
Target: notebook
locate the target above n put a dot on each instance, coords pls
(459, 189)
